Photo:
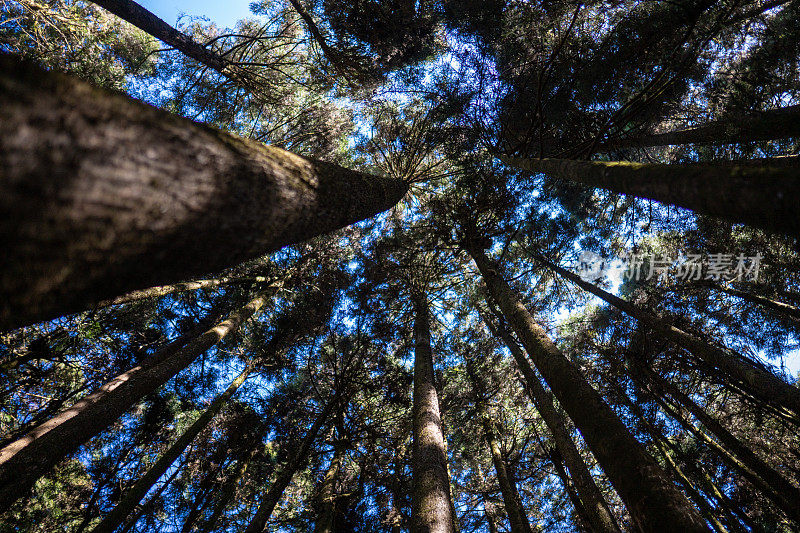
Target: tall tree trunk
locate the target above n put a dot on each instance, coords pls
(581, 516)
(594, 504)
(763, 197)
(789, 311)
(142, 486)
(768, 125)
(327, 494)
(101, 194)
(762, 384)
(228, 491)
(732, 444)
(25, 460)
(431, 503)
(148, 505)
(517, 517)
(489, 512)
(654, 503)
(259, 521)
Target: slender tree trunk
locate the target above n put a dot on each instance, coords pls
(511, 499)
(732, 444)
(581, 516)
(327, 494)
(431, 504)
(135, 494)
(185, 286)
(101, 194)
(141, 509)
(228, 491)
(762, 384)
(489, 511)
(654, 503)
(259, 521)
(763, 197)
(768, 125)
(594, 504)
(25, 460)
(789, 311)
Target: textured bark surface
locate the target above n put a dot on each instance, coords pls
(164, 290)
(762, 126)
(594, 505)
(134, 495)
(431, 505)
(25, 460)
(654, 503)
(762, 384)
(758, 196)
(101, 195)
(259, 521)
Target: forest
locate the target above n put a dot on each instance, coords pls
(451, 266)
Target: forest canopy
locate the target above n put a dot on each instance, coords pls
(425, 266)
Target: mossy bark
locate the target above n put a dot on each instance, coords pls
(762, 197)
(654, 503)
(431, 504)
(23, 461)
(101, 195)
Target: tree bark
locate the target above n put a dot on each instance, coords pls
(768, 125)
(762, 197)
(789, 311)
(517, 518)
(259, 521)
(142, 486)
(25, 460)
(581, 516)
(594, 505)
(762, 384)
(101, 194)
(228, 491)
(654, 503)
(327, 494)
(431, 503)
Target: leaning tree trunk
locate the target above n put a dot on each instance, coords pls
(228, 491)
(143, 485)
(259, 521)
(654, 503)
(761, 383)
(517, 518)
(101, 194)
(25, 460)
(789, 311)
(594, 505)
(768, 125)
(763, 197)
(581, 517)
(432, 510)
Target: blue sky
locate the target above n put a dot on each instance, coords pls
(224, 14)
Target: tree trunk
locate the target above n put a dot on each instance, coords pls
(327, 494)
(593, 503)
(768, 125)
(517, 518)
(654, 503)
(581, 516)
(227, 492)
(259, 521)
(789, 311)
(431, 504)
(763, 197)
(146, 21)
(101, 194)
(25, 460)
(732, 444)
(135, 494)
(759, 382)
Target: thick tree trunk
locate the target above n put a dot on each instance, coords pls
(594, 505)
(761, 126)
(763, 197)
(25, 460)
(654, 503)
(431, 503)
(101, 195)
(135, 494)
(762, 384)
(517, 518)
(259, 521)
